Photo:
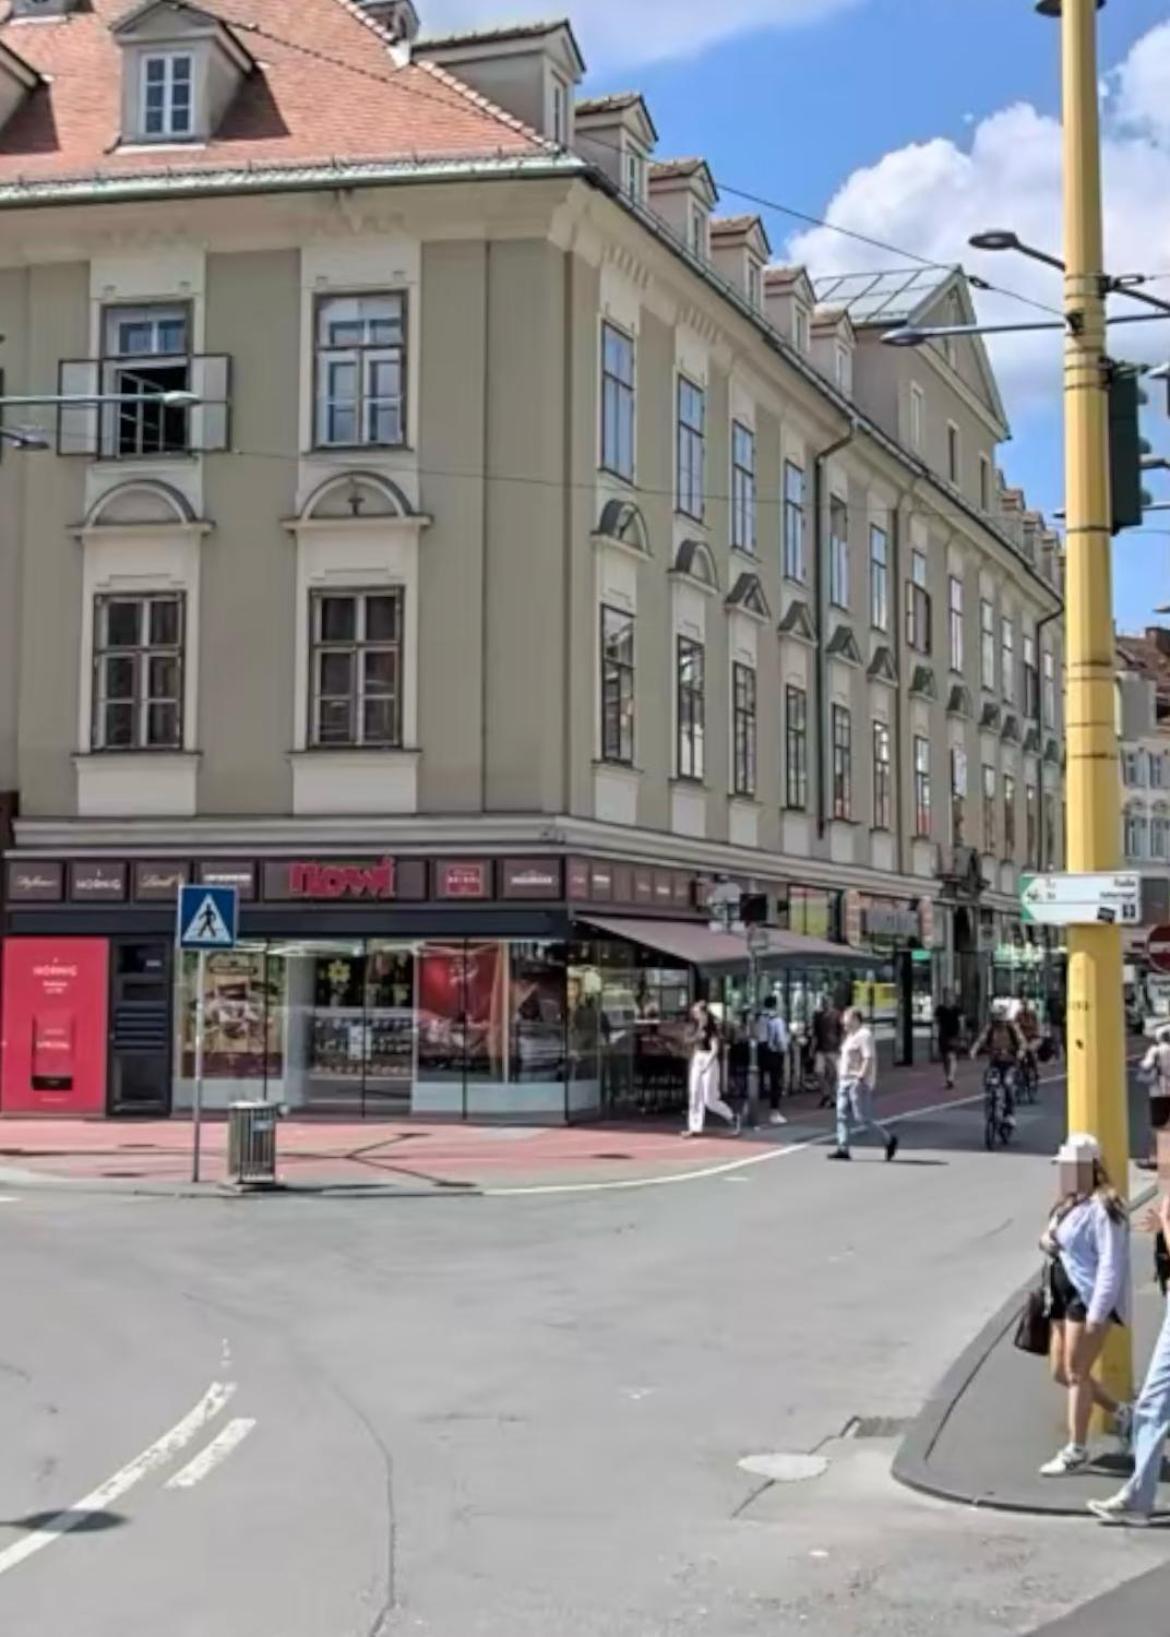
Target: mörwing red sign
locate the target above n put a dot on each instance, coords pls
(317, 880)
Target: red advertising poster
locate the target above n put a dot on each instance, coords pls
(53, 1041)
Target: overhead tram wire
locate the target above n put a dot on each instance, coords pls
(724, 187)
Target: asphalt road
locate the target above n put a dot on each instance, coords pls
(467, 1417)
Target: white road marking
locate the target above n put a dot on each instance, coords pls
(731, 1165)
(213, 1402)
(208, 1459)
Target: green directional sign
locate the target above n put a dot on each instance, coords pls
(1081, 900)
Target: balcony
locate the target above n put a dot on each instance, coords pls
(145, 430)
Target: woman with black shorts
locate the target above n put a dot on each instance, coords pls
(1087, 1241)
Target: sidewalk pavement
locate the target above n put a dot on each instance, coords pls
(997, 1416)
(409, 1156)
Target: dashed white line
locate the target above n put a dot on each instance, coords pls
(208, 1459)
(213, 1402)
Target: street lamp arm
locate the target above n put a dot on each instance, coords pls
(73, 400)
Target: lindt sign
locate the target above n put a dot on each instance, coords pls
(316, 880)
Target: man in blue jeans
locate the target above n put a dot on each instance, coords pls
(1133, 1505)
(855, 1086)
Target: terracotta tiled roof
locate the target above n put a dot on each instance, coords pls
(611, 102)
(325, 89)
(728, 227)
(662, 170)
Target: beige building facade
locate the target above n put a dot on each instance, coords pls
(507, 517)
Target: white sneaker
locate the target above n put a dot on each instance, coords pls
(1070, 1459)
(1123, 1426)
(1118, 1513)
(776, 1118)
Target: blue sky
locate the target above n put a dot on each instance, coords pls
(916, 121)
(791, 114)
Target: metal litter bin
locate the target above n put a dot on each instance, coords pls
(252, 1144)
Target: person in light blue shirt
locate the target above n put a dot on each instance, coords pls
(1087, 1239)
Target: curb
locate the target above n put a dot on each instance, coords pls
(911, 1465)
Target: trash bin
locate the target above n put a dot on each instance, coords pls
(252, 1144)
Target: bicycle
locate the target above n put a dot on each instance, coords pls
(998, 1126)
(1028, 1079)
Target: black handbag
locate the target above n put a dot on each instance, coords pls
(1034, 1327)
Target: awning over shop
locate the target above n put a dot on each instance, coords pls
(699, 946)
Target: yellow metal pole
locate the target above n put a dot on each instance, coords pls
(1096, 1056)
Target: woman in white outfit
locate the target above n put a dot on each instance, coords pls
(703, 1039)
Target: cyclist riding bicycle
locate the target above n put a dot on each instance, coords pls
(1003, 1044)
(1028, 1027)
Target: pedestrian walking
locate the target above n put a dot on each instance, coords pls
(1087, 1241)
(948, 1021)
(826, 1040)
(1155, 1070)
(703, 1040)
(1134, 1502)
(773, 1045)
(855, 1089)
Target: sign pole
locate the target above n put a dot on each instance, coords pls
(197, 1105)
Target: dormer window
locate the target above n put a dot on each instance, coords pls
(167, 83)
(843, 368)
(753, 284)
(560, 113)
(697, 232)
(634, 174)
(800, 328)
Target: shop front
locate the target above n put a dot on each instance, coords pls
(440, 987)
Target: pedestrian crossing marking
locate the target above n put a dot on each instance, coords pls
(207, 928)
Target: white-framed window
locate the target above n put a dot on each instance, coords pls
(167, 93)
(1136, 833)
(879, 578)
(753, 283)
(795, 748)
(145, 351)
(842, 740)
(922, 801)
(1009, 816)
(958, 796)
(800, 329)
(697, 230)
(1049, 662)
(953, 452)
(1133, 767)
(838, 552)
(560, 112)
(617, 402)
(984, 484)
(955, 620)
(634, 168)
(1008, 660)
(355, 669)
(743, 488)
(1159, 834)
(692, 707)
(843, 368)
(987, 643)
(1031, 678)
(743, 729)
(918, 605)
(1157, 771)
(794, 562)
(361, 371)
(988, 808)
(917, 415)
(881, 776)
(617, 685)
(692, 449)
(138, 672)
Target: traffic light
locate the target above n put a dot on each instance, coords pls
(1127, 447)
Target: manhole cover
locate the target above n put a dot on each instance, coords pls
(785, 1469)
(877, 1426)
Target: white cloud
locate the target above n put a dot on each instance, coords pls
(929, 197)
(616, 31)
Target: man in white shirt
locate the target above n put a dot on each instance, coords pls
(772, 1043)
(855, 1088)
(1155, 1069)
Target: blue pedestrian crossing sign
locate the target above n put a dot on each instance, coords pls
(208, 918)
